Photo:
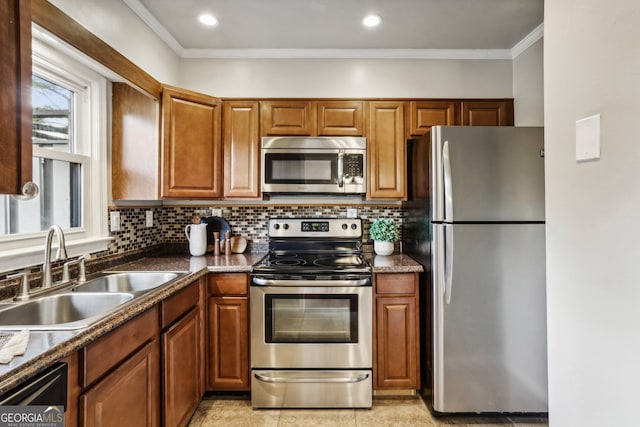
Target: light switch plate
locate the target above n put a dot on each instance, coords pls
(216, 212)
(352, 213)
(588, 138)
(115, 221)
(149, 218)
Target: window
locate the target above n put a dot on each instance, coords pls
(69, 106)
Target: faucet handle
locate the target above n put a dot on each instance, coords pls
(82, 271)
(82, 275)
(23, 290)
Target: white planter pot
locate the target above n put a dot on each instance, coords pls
(383, 248)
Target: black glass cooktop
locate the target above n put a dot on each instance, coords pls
(312, 262)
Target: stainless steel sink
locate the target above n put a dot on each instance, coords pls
(62, 311)
(138, 281)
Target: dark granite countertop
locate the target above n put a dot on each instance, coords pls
(46, 347)
(394, 263)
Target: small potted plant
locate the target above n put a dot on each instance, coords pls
(383, 232)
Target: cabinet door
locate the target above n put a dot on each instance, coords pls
(241, 141)
(182, 370)
(228, 346)
(386, 151)
(340, 118)
(396, 358)
(135, 125)
(129, 396)
(191, 152)
(487, 113)
(424, 114)
(15, 102)
(396, 339)
(288, 118)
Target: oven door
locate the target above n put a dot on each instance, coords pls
(311, 327)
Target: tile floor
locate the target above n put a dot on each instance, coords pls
(392, 412)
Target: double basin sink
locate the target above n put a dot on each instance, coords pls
(83, 304)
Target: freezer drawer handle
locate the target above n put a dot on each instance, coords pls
(341, 379)
(448, 266)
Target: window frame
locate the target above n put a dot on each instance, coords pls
(56, 60)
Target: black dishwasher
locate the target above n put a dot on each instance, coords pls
(47, 388)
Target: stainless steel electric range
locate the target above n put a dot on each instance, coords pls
(311, 317)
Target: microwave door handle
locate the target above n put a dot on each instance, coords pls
(340, 169)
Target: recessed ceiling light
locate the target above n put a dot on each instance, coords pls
(371, 20)
(208, 19)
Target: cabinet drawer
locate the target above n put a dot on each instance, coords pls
(104, 354)
(228, 284)
(396, 283)
(178, 304)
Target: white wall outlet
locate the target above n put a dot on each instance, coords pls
(149, 218)
(115, 221)
(216, 212)
(352, 213)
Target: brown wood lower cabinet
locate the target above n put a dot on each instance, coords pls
(147, 372)
(129, 396)
(396, 359)
(182, 356)
(228, 332)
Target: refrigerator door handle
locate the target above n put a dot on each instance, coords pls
(447, 198)
(448, 263)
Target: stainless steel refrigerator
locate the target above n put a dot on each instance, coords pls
(475, 220)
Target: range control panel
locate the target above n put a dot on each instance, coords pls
(315, 227)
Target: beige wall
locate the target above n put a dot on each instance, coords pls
(345, 78)
(592, 66)
(118, 26)
(528, 86)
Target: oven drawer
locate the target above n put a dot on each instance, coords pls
(311, 389)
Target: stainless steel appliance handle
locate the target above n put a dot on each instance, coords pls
(300, 283)
(448, 263)
(311, 379)
(447, 187)
(340, 169)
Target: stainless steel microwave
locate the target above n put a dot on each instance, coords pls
(316, 165)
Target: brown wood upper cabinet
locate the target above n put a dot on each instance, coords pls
(487, 112)
(386, 150)
(133, 140)
(424, 114)
(344, 118)
(15, 102)
(312, 118)
(191, 148)
(283, 117)
(241, 146)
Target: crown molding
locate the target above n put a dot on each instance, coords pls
(347, 53)
(527, 41)
(138, 8)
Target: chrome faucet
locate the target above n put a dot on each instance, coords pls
(61, 254)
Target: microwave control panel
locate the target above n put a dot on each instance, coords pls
(353, 165)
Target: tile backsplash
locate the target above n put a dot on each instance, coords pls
(248, 221)
(167, 235)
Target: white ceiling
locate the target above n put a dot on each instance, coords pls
(331, 28)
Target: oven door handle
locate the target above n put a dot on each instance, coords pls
(312, 283)
(339, 378)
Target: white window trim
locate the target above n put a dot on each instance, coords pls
(28, 249)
